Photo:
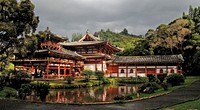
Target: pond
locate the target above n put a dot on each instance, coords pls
(104, 93)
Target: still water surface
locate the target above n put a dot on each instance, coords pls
(86, 95)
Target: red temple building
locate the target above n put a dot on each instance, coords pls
(57, 58)
(133, 66)
(95, 51)
(50, 59)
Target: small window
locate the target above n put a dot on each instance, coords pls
(161, 70)
(122, 70)
(131, 70)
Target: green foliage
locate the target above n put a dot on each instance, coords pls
(149, 87)
(181, 36)
(106, 81)
(161, 77)
(124, 97)
(87, 74)
(122, 40)
(8, 92)
(41, 88)
(17, 19)
(76, 37)
(164, 86)
(175, 79)
(99, 75)
(69, 79)
(26, 89)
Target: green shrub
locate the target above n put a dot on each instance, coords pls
(99, 75)
(26, 89)
(8, 92)
(151, 77)
(69, 79)
(87, 74)
(129, 97)
(149, 87)
(124, 97)
(119, 97)
(161, 77)
(164, 86)
(106, 81)
(175, 79)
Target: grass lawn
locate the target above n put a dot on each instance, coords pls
(191, 105)
(188, 81)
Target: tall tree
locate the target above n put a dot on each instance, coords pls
(125, 31)
(17, 20)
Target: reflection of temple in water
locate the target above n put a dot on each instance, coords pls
(95, 94)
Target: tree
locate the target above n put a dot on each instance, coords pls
(17, 20)
(125, 31)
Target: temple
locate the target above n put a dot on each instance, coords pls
(50, 60)
(56, 58)
(95, 51)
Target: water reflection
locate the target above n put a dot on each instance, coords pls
(83, 95)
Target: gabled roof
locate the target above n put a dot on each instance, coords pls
(89, 37)
(152, 59)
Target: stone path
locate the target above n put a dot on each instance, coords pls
(178, 96)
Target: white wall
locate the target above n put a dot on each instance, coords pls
(89, 67)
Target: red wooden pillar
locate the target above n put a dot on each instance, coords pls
(59, 71)
(70, 70)
(65, 71)
(118, 71)
(14, 68)
(146, 70)
(58, 97)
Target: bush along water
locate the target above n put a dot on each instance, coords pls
(41, 89)
(149, 87)
(175, 79)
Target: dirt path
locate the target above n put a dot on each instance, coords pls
(178, 96)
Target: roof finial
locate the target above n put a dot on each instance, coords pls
(87, 31)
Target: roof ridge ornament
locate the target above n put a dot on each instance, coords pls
(87, 31)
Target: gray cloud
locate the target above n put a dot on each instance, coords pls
(65, 17)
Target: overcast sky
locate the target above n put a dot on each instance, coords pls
(65, 17)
